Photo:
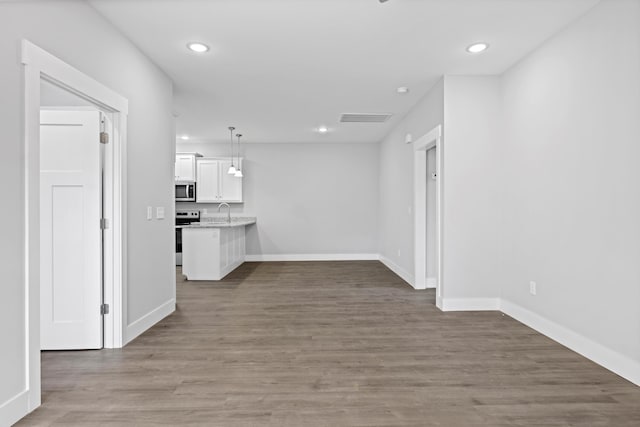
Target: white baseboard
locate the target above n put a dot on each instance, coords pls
(312, 257)
(148, 320)
(612, 360)
(470, 304)
(404, 275)
(603, 356)
(432, 282)
(14, 409)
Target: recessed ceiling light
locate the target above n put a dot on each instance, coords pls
(477, 47)
(323, 129)
(184, 137)
(198, 47)
(403, 89)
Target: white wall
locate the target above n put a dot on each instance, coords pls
(469, 109)
(78, 35)
(472, 187)
(395, 207)
(308, 198)
(540, 184)
(572, 145)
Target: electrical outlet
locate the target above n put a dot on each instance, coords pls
(159, 212)
(149, 213)
(533, 288)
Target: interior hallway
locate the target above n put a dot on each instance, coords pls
(329, 343)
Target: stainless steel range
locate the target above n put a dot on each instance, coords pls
(183, 217)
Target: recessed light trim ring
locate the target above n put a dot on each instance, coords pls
(197, 47)
(477, 47)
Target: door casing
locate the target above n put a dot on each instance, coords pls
(39, 64)
(430, 140)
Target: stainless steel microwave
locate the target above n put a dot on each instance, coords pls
(185, 191)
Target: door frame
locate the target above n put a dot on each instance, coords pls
(39, 64)
(433, 139)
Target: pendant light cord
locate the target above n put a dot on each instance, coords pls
(231, 129)
(239, 135)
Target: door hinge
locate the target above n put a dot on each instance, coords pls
(104, 223)
(104, 138)
(104, 309)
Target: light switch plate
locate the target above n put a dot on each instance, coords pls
(149, 213)
(159, 212)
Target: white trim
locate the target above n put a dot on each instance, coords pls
(399, 271)
(312, 257)
(32, 238)
(432, 282)
(148, 320)
(470, 304)
(115, 196)
(603, 356)
(72, 79)
(39, 64)
(610, 359)
(15, 408)
(432, 139)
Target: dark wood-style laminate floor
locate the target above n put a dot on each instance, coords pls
(329, 344)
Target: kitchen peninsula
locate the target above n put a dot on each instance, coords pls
(213, 249)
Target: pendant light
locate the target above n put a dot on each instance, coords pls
(238, 173)
(232, 168)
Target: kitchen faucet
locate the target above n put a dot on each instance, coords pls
(228, 210)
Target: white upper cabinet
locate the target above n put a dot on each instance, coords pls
(208, 181)
(186, 166)
(214, 184)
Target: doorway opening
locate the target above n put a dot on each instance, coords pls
(428, 205)
(431, 258)
(44, 72)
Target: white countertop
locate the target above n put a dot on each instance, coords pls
(222, 223)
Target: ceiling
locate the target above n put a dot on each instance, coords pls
(278, 69)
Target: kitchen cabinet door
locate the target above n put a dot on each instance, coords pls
(185, 167)
(230, 186)
(208, 181)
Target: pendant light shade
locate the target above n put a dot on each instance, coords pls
(232, 168)
(238, 173)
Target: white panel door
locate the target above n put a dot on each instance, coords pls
(70, 234)
(208, 181)
(230, 186)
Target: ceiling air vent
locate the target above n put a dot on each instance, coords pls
(365, 118)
